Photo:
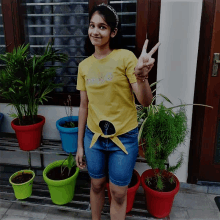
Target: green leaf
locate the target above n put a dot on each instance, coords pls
(155, 83)
(19, 82)
(10, 89)
(13, 115)
(70, 161)
(72, 124)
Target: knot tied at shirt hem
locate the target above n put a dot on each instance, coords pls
(112, 137)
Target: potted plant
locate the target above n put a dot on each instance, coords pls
(131, 192)
(161, 131)
(22, 183)
(68, 128)
(60, 177)
(25, 82)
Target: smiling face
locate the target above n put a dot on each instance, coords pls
(99, 31)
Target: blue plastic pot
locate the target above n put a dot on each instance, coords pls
(69, 136)
(1, 119)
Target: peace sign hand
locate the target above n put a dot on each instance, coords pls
(145, 62)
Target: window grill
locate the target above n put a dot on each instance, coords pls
(2, 36)
(67, 22)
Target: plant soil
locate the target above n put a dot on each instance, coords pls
(55, 173)
(167, 185)
(67, 124)
(27, 121)
(133, 182)
(23, 178)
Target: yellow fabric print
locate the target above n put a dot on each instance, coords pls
(101, 78)
(107, 82)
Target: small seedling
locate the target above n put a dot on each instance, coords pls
(69, 112)
(71, 163)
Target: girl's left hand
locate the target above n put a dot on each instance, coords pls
(145, 62)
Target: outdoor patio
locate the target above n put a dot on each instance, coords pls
(192, 202)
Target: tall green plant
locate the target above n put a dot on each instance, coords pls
(25, 81)
(162, 130)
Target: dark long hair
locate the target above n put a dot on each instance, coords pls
(109, 17)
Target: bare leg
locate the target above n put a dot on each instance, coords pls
(118, 202)
(97, 197)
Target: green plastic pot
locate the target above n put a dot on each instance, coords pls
(22, 190)
(61, 191)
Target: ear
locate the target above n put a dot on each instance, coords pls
(114, 32)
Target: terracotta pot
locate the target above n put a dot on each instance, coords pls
(29, 136)
(130, 193)
(159, 204)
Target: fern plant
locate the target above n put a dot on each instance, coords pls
(25, 81)
(161, 131)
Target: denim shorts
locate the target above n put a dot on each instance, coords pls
(105, 158)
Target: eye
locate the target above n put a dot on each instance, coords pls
(103, 27)
(91, 25)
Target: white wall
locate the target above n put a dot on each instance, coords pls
(177, 59)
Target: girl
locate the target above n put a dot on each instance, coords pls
(108, 127)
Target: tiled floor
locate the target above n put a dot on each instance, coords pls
(192, 202)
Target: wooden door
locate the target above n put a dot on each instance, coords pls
(209, 167)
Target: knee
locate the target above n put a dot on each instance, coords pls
(119, 197)
(97, 187)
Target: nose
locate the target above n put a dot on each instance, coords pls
(95, 31)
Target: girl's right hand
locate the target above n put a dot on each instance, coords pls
(80, 162)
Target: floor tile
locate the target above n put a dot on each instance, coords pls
(192, 201)
(57, 214)
(4, 206)
(73, 218)
(14, 217)
(84, 214)
(199, 214)
(193, 188)
(27, 211)
(179, 213)
(211, 198)
(213, 190)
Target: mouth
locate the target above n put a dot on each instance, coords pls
(96, 37)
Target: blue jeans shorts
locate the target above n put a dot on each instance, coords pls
(105, 158)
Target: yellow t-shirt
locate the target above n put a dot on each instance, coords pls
(109, 93)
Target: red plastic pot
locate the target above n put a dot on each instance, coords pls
(130, 193)
(29, 136)
(159, 204)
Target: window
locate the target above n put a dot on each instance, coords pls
(66, 21)
(126, 11)
(2, 36)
